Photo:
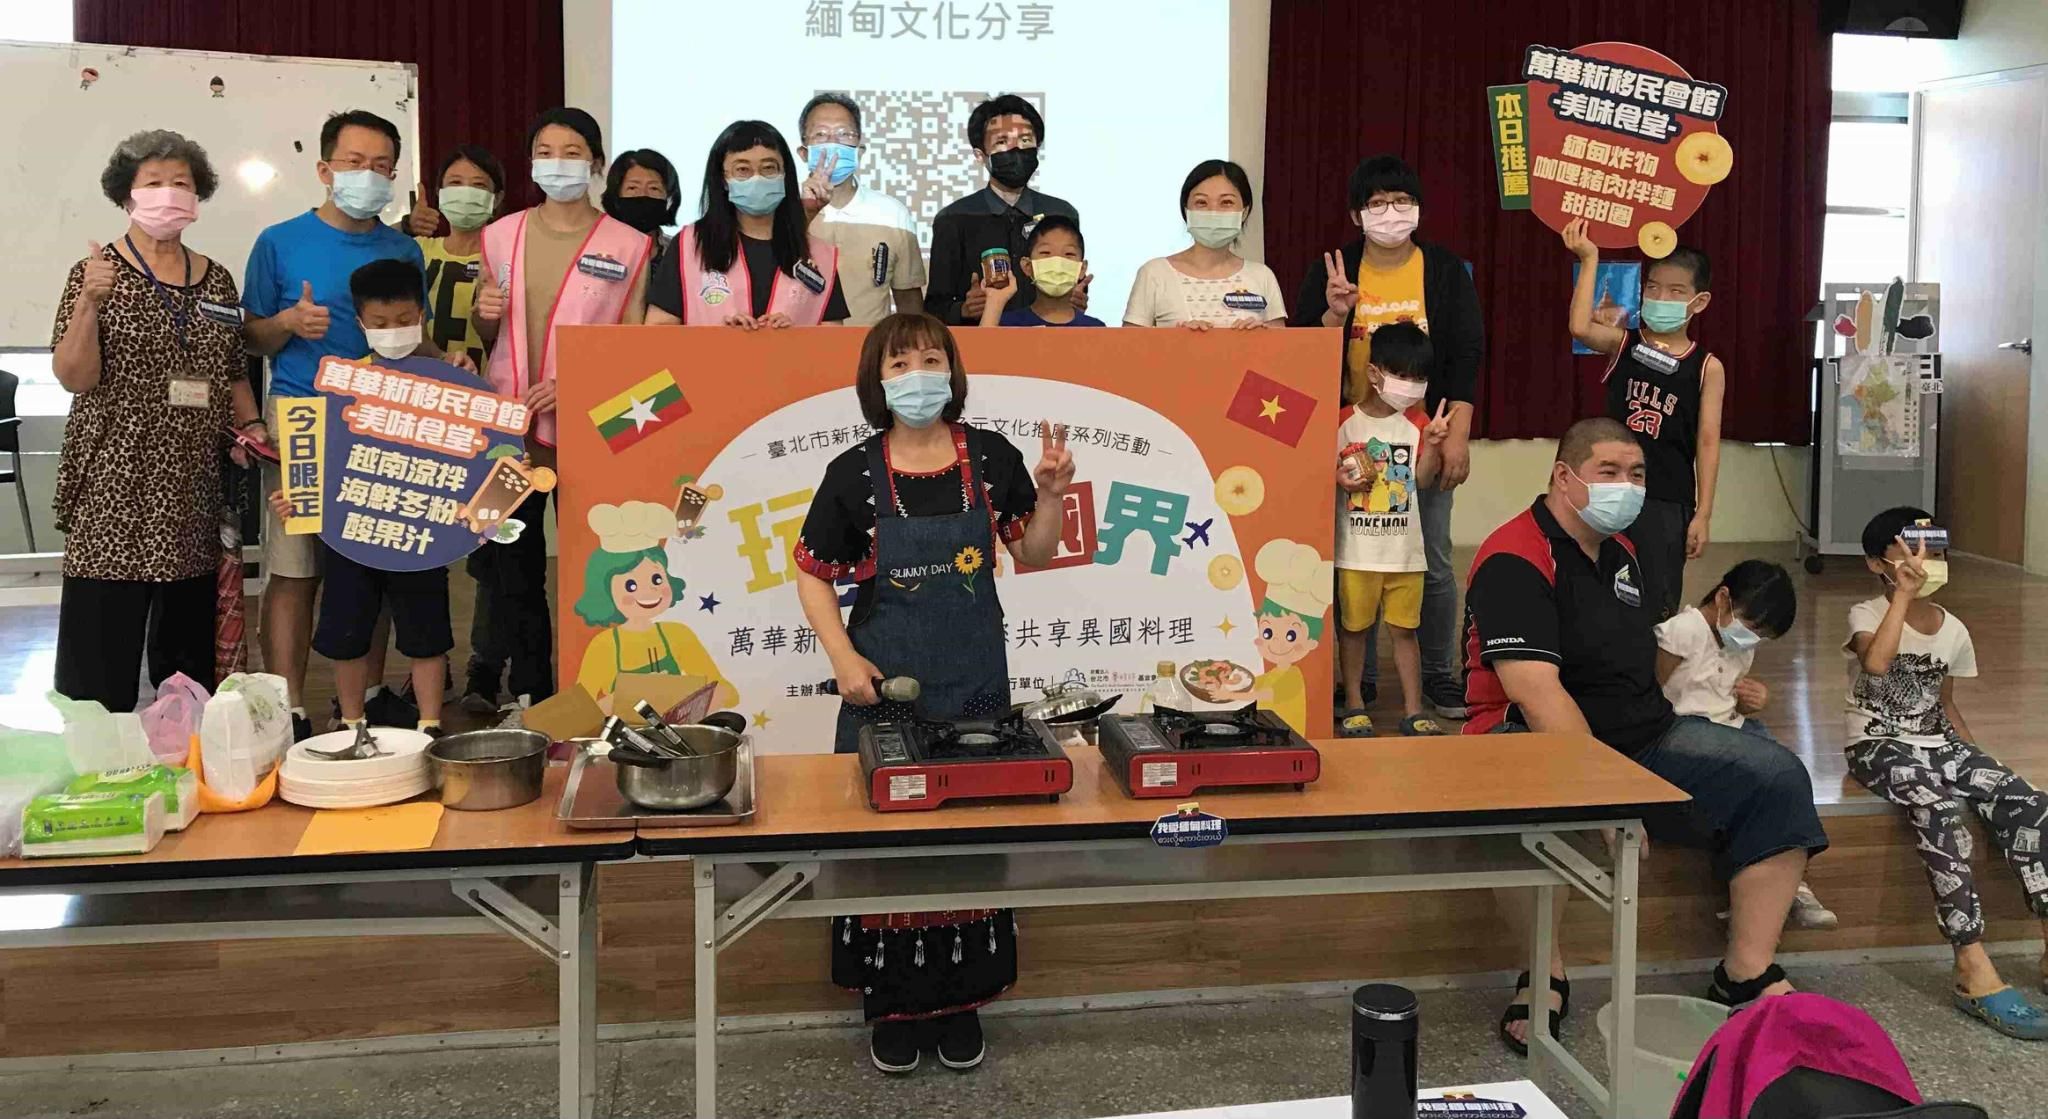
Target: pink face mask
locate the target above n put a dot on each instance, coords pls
(163, 212)
(1391, 227)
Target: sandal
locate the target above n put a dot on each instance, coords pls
(1519, 1012)
(1421, 725)
(2008, 1012)
(1736, 996)
(1354, 723)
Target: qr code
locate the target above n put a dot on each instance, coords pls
(917, 147)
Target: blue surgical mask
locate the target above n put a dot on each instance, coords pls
(564, 180)
(1666, 315)
(758, 196)
(1610, 506)
(918, 398)
(1739, 638)
(837, 159)
(361, 194)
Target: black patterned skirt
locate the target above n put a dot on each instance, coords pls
(908, 966)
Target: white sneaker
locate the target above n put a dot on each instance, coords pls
(1808, 913)
(512, 716)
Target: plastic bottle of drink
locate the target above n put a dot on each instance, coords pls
(1166, 691)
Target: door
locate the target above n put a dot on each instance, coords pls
(1978, 220)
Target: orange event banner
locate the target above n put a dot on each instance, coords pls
(1198, 531)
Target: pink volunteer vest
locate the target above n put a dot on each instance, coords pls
(595, 292)
(708, 297)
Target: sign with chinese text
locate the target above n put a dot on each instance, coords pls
(1510, 108)
(419, 464)
(1200, 518)
(302, 428)
(1619, 135)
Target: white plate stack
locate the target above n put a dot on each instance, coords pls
(401, 772)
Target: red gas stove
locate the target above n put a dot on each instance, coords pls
(923, 763)
(1168, 753)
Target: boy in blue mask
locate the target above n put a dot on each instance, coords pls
(1668, 391)
(1704, 656)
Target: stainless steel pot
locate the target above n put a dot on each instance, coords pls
(481, 770)
(677, 784)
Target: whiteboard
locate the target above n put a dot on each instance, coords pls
(262, 135)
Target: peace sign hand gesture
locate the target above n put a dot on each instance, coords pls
(1439, 428)
(1055, 469)
(1338, 290)
(1909, 575)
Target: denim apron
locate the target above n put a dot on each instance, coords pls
(935, 617)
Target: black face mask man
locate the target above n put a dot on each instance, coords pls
(1013, 167)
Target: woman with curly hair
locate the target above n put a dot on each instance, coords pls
(148, 341)
(923, 503)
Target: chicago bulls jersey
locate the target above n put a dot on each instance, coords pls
(1657, 394)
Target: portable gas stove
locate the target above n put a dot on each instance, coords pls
(1169, 753)
(923, 763)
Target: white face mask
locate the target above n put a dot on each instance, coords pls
(1402, 394)
(398, 341)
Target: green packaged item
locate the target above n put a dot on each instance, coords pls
(178, 786)
(73, 825)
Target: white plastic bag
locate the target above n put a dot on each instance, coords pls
(173, 718)
(243, 732)
(97, 741)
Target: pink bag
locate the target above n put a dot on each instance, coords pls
(173, 718)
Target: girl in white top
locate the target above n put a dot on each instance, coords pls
(1206, 285)
(1704, 655)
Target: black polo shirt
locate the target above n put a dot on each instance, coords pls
(1533, 595)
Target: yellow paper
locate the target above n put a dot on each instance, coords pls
(303, 432)
(393, 827)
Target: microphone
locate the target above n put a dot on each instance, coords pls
(895, 689)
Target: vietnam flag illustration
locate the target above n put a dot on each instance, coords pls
(627, 418)
(1271, 408)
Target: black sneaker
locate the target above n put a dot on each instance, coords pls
(302, 728)
(389, 709)
(1447, 696)
(893, 1047)
(434, 731)
(480, 699)
(960, 1044)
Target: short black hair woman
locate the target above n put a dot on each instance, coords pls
(148, 340)
(931, 495)
(1207, 285)
(643, 191)
(750, 261)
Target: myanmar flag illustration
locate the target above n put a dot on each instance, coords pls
(627, 418)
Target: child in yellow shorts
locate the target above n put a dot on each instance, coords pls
(1388, 450)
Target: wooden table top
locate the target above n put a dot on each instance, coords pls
(262, 841)
(818, 800)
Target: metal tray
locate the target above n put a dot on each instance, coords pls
(591, 798)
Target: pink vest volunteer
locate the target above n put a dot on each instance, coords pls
(607, 263)
(709, 297)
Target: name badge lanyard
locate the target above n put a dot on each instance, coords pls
(181, 316)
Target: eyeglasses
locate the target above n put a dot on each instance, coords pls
(838, 136)
(1400, 205)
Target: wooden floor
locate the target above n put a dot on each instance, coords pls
(205, 995)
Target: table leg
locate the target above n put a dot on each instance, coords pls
(1542, 944)
(1627, 860)
(576, 971)
(706, 936)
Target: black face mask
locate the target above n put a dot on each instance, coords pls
(645, 213)
(1014, 168)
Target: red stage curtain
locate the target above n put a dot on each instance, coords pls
(485, 71)
(1352, 80)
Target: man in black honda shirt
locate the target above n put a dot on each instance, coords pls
(1560, 641)
(1005, 133)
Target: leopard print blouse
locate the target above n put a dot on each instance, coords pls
(138, 484)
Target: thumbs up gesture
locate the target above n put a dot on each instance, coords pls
(99, 276)
(490, 302)
(309, 318)
(424, 219)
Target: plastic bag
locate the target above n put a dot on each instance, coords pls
(97, 741)
(31, 763)
(172, 720)
(244, 729)
(210, 800)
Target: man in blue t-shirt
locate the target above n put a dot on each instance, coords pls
(297, 298)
